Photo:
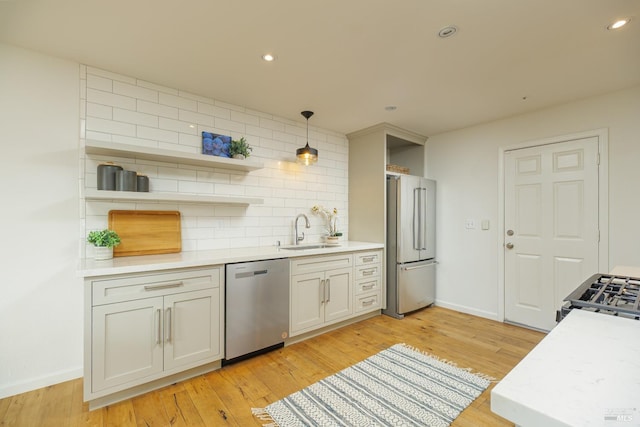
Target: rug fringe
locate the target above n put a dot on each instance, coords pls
(449, 362)
(263, 415)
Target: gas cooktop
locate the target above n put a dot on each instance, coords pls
(605, 293)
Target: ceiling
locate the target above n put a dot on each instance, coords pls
(347, 60)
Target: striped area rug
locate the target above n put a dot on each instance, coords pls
(399, 386)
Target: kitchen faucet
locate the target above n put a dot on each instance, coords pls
(307, 225)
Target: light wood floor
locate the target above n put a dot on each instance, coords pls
(225, 397)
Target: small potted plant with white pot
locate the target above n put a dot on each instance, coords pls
(332, 223)
(240, 148)
(104, 242)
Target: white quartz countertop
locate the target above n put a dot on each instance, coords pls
(137, 264)
(585, 372)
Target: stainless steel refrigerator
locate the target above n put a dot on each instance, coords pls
(411, 239)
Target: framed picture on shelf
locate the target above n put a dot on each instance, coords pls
(214, 144)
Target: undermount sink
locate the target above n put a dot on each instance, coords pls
(302, 247)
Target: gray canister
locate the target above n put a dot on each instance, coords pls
(107, 176)
(126, 181)
(143, 183)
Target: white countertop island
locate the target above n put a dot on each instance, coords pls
(585, 372)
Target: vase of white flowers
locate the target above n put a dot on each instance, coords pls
(332, 222)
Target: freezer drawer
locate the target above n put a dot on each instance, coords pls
(415, 285)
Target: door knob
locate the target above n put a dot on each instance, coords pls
(509, 245)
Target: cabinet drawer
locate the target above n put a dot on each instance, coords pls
(368, 302)
(140, 286)
(368, 271)
(364, 258)
(368, 285)
(320, 263)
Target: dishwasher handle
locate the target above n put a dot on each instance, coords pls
(246, 274)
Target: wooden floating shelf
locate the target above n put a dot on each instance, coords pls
(162, 155)
(129, 196)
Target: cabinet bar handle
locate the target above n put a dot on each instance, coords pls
(167, 325)
(163, 286)
(158, 333)
(368, 272)
(367, 303)
(368, 258)
(369, 286)
(328, 290)
(322, 290)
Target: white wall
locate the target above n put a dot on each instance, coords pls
(465, 164)
(47, 108)
(124, 109)
(40, 294)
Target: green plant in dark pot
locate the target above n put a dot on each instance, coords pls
(240, 148)
(104, 242)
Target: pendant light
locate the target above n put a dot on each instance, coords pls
(307, 155)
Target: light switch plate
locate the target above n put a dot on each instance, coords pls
(485, 224)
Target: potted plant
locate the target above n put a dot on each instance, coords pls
(332, 223)
(104, 242)
(240, 148)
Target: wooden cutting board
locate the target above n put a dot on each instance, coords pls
(146, 232)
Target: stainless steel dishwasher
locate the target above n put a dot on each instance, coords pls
(257, 308)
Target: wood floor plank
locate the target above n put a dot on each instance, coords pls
(56, 403)
(225, 397)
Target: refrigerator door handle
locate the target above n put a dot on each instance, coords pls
(416, 219)
(419, 266)
(423, 218)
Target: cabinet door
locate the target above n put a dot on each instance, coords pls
(192, 328)
(306, 310)
(338, 294)
(126, 342)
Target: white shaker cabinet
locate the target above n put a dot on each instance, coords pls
(146, 327)
(321, 291)
(368, 281)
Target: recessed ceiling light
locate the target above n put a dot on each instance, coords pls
(268, 57)
(391, 108)
(618, 24)
(447, 31)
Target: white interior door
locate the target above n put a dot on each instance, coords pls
(551, 227)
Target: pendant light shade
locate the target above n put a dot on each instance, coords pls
(307, 155)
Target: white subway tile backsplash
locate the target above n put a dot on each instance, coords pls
(100, 83)
(195, 97)
(126, 110)
(271, 124)
(134, 117)
(158, 88)
(195, 118)
(112, 99)
(247, 119)
(177, 101)
(99, 110)
(193, 141)
(157, 134)
(134, 91)
(214, 110)
(110, 75)
(110, 126)
(157, 109)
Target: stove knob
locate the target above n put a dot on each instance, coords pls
(509, 245)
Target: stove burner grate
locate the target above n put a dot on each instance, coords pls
(617, 295)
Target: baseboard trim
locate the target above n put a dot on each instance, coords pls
(40, 382)
(468, 310)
